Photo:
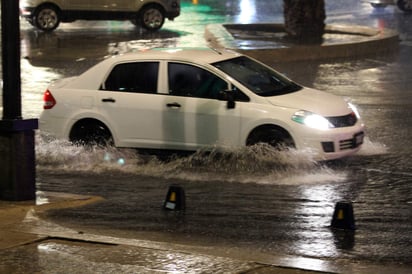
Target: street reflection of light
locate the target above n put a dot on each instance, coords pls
(44, 247)
(318, 201)
(247, 11)
(314, 238)
(380, 24)
(309, 263)
(32, 78)
(41, 198)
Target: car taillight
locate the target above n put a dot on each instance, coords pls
(48, 100)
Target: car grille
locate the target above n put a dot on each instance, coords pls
(352, 143)
(346, 144)
(343, 121)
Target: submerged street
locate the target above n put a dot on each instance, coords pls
(252, 199)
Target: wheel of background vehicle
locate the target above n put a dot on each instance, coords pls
(404, 5)
(90, 132)
(152, 17)
(378, 6)
(276, 137)
(46, 18)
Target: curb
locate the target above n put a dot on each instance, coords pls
(356, 41)
(14, 216)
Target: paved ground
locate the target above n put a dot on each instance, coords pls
(31, 244)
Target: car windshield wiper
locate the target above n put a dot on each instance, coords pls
(293, 87)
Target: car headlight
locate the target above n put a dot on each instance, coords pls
(311, 120)
(354, 109)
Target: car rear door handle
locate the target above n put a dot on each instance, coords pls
(173, 105)
(108, 100)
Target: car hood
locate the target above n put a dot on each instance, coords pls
(312, 100)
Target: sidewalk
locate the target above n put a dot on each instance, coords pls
(29, 244)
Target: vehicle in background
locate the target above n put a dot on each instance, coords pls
(191, 99)
(46, 15)
(404, 5)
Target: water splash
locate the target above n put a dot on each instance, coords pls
(259, 164)
(372, 148)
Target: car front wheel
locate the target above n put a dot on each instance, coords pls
(46, 18)
(152, 18)
(276, 137)
(405, 5)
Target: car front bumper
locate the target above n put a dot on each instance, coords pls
(334, 143)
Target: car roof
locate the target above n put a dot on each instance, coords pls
(91, 78)
(195, 55)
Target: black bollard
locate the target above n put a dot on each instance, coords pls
(175, 199)
(343, 217)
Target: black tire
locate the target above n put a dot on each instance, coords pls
(404, 5)
(46, 18)
(152, 17)
(276, 137)
(91, 133)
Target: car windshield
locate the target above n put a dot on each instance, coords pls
(258, 78)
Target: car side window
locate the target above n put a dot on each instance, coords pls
(139, 77)
(192, 81)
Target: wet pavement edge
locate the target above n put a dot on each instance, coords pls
(359, 40)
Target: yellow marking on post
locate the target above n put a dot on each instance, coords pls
(172, 197)
(340, 214)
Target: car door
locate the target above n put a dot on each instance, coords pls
(131, 106)
(77, 5)
(195, 116)
(109, 5)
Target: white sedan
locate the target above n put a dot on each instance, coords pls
(187, 99)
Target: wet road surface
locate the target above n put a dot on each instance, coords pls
(250, 198)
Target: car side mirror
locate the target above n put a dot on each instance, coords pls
(229, 97)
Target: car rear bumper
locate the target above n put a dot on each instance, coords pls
(26, 12)
(52, 127)
(174, 10)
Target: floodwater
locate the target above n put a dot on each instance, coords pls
(252, 198)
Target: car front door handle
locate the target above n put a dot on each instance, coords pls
(173, 105)
(108, 100)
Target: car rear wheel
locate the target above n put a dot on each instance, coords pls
(46, 18)
(90, 132)
(274, 136)
(405, 5)
(152, 17)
